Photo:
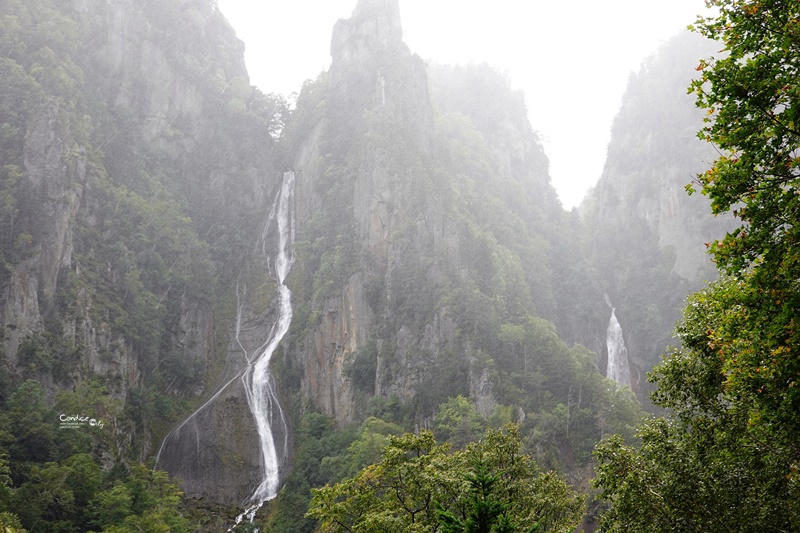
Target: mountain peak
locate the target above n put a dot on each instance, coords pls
(373, 26)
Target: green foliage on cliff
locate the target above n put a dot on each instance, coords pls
(721, 460)
(135, 169)
(568, 405)
(644, 235)
(335, 457)
(448, 224)
(50, 479)
(494, 252)
(465, 259)
(37, 71)
(137, 203)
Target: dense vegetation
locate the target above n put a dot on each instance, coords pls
(645, 235)
(54, 468)
(506, 251)
(419, 486)
(726, 456)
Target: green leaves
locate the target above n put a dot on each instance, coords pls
(726, 453)
(50, 480)
(458, 421)
(420, 485)
(755, 88)
(751, 94)
(485, 513)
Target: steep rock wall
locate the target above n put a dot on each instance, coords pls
(420, 224)
(375, 80)
(145, 161)
(54, 174)
(647, 235)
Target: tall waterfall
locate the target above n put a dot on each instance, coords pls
(257, 379)
(617, 368)
(200, 449)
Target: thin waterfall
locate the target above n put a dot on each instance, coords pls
(617, 366)
(257, 379)
(200, 440)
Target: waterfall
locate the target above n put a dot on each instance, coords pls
(256, 378)
(197, 449)
(617, 368)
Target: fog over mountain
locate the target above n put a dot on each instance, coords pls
(253, 297)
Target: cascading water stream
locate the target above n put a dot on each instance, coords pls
(181, 451)
(617, 367)
(256, 378)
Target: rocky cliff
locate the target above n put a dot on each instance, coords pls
(647, 234)
(137, 166)
(413, 222)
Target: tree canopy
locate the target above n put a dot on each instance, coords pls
(421, 486)
(753, 100)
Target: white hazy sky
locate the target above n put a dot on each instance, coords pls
(571, 58)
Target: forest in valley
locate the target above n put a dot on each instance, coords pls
(444, 361)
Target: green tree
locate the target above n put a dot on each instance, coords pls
(84, 478)
(419, 483)
(321, 457)
(112, 506)
(28, 420)
(368, 447)
(752, 95)
(155, 497)
(90, 398)
(753, 99)
(9, 523)
(485, 512)
(712, 464)
(6, 494)
(458, 421)
(46, 499)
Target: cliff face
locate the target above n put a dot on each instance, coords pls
(420, 231)
(647, 234)
(375, 87)
(654, 153)
(56, 180)
(135, 132)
